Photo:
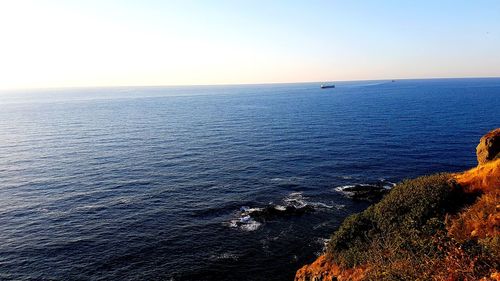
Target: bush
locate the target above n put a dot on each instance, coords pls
(411, 212)
(420, 231)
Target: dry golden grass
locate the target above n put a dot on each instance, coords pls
(483, 178)
(480, 220)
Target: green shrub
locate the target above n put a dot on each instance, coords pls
(406, 236)
(402, 223)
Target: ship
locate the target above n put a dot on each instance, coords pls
(326, 86)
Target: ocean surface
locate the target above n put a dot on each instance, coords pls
(156, 183)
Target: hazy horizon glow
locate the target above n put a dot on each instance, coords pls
(51, 43)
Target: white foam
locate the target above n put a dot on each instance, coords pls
(383, 183)
(245, 219)
(295, 199)
(90, 207)
(249, 210)
(389, 185)
(342, 189)
(252, 225)
(287, 179)
(224, 256)
(324, 243)
(322, 205)
(233, 223)
(280, 208)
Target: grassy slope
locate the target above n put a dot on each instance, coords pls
(439, 227)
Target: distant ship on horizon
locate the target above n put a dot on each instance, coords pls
(326, 86)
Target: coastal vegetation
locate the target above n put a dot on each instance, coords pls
(438, 227)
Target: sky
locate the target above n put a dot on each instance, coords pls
(51, 43)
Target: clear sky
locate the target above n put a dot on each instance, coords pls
(50, 43)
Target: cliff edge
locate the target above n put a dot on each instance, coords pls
(438, 227)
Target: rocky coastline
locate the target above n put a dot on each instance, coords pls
(439, 227)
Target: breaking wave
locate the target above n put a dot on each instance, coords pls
(294, 204)
(353, 190)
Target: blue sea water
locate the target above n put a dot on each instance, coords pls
(147, 183)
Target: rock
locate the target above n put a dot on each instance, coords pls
(486, 176)
(370, 193)
(272, 212)
(489, 147)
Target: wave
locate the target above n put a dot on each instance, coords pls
(369, 84)
(383, 184)
(294, 204)
(324, 244)
(245, 222)
(295, 199)
(365, 191)
(224, 256)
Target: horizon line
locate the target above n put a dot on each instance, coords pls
(235, 84)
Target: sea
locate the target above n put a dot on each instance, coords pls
(160, 183)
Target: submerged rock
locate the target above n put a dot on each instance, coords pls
(489, 147)
(365, 192)
(274, 212)
(251, 218)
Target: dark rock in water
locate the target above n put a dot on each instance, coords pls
(274, 212)
(365, 192)
(489, 147)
